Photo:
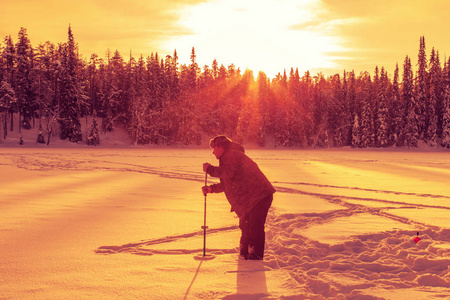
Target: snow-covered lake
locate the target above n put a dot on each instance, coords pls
(125, 224)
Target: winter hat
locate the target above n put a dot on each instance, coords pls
(220, 141)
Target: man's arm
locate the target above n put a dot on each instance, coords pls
(228, 168)
(213, 188)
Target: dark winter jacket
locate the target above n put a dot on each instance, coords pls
(241, 179)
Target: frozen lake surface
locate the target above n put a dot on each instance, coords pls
(125, 223)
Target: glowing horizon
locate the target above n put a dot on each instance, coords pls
(271, 36)
(246, 34)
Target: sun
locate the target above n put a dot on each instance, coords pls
(258, 35)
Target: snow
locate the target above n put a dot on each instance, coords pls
(122, 222)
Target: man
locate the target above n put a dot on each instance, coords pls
(247, 189)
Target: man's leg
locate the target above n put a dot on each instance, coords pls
(256, 220)
(245, 238)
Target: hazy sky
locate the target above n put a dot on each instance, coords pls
(266, 35)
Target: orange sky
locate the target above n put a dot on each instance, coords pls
(267, 35)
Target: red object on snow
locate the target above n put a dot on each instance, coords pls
(417, 238)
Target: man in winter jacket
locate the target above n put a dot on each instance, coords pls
(247, 189)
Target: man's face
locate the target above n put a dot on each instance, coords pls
(218, 151)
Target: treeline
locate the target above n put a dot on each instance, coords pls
(160, 101)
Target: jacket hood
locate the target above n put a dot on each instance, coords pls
(236, 146)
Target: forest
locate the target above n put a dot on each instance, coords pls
(160, 101)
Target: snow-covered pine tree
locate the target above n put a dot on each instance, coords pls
(367, 135)
(9, 59)
(118, 105)
(382, 113)
(411, 119)
(421, 94)
(374, 102)
(7, 100)
(262, 83)
(45, 80)
(367, 120)
(280, 114)
(172, 77)
(69, 119)
(105, 93)
(156, 101)
(206, 78)
(434, 99)
(166, 123)
(248, 125)
(337, 111)
(2, 66)
(356, 134)
(138, 125)
(186, 114)
(93, 137)
(351, 102)
(396, 114)
(307, 108)
(94, 83)
(446, 108)
(23, 78)
(215, 68)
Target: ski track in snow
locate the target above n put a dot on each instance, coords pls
(359, 189)
(140, 248)
(388, 259)
(44, 162)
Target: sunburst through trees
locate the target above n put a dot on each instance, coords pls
(160, 101)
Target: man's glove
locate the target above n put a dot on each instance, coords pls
(206, 189)
(206, 166)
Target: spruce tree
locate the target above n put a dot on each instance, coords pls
(118, 101)
(351, 102)
(438, 82)
(93, 137)
(434, 84)
(263, 101)
(367, 135)
(2, 67)
(172, 77)
(187, 114)
(158, 91)
(193, 73)
(421, 90)
(411, 119)
(7, 99)
(45, 79)
(446, 108)
(138, 125)
(105, 93)
(396, 110)
(382, 113)
(9, 58)
(374, 102)
(24, 78)
(155, 83)
(356, 134)
(215, 69)
(94, 83)
(69, 119)
(367, 119)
